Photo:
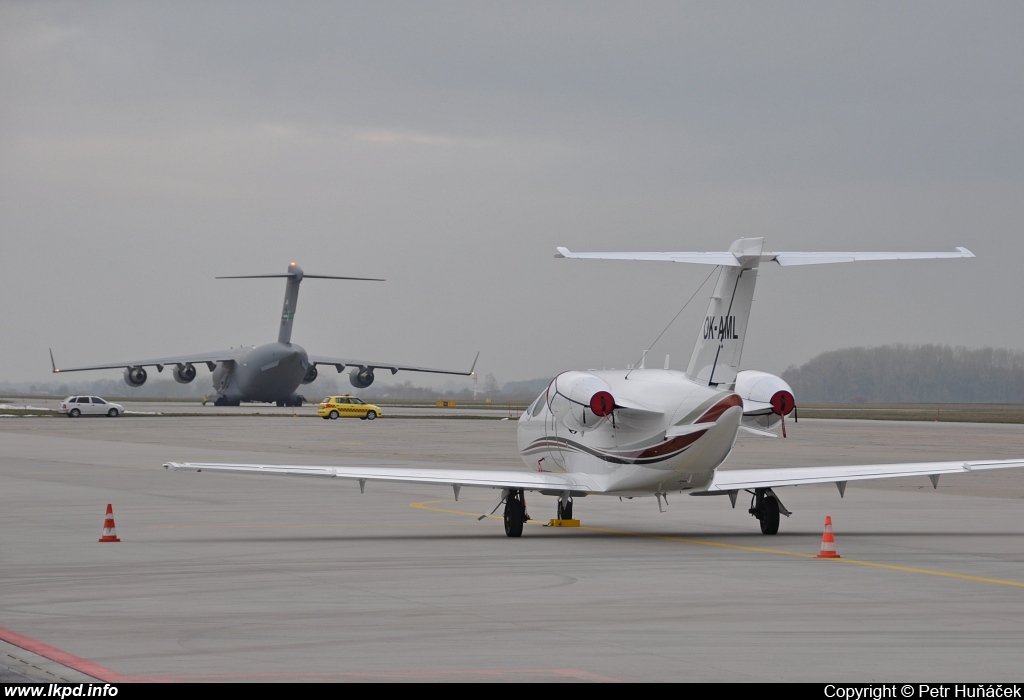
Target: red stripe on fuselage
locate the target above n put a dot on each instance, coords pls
(716, 411)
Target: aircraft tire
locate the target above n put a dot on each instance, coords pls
(333, 415)
(74, 413)
(515, 514)
(371, 415)
(112, 413)
(770, 520)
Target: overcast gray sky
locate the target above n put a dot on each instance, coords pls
(146, 148)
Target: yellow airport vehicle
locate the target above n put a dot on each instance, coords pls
(346, 406)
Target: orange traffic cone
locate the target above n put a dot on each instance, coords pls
(109, 532)
(828, 541)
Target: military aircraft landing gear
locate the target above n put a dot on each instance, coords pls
(515, 513)
(565, 510)
(765, 506)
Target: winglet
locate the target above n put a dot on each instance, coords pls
(563, 252)
(52, 363)
(473, 366)
(966, 253)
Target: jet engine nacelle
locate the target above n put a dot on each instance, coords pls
(361, 377)
(579, 400)
(135, 376)
(183, 374)
(767, 400)
(310, 376)
(763, 393)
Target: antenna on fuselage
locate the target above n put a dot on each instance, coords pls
(665, 330)
(291, 294)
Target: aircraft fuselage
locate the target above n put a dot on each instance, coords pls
(666, 433)
(270, 372)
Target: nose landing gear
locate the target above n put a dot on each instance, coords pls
(565, 509)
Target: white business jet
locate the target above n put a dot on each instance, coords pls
(648, 432)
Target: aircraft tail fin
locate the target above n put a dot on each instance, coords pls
(291, 294)
(716, 357)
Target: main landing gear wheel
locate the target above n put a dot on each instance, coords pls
(565, 512)
(765, 507)
(515, 513)
(770, 521)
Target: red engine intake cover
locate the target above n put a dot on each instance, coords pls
(602, 404)
(782, 403)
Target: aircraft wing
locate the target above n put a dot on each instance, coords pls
(740, 479)
(209, 358)
(545, 482)
(341, 363)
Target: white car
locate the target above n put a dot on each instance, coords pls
(76, 406)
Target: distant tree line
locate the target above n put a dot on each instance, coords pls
(910, 374)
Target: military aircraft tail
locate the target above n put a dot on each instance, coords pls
(294, 276)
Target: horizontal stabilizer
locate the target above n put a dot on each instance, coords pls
(787, 259)
(733, 259)
(716, 357)
(725, 258)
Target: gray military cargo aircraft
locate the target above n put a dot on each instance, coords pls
(270, 372)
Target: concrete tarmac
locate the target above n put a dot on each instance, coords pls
(249, 578)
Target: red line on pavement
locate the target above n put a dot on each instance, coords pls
(62, 657)
(105, 674)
